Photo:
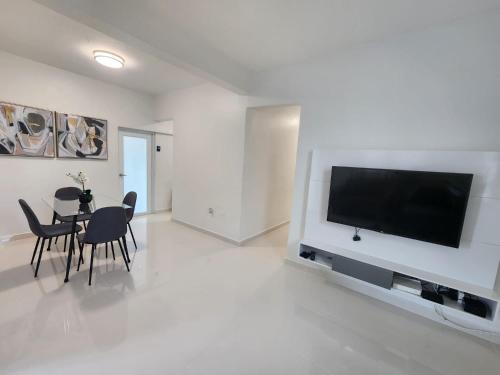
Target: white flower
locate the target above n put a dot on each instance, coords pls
(81, 178)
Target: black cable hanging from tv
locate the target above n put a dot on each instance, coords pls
(356, 236)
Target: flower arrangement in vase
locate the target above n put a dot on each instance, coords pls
(81, 178)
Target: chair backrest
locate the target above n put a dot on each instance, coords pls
(33, 221)
(106, 224)
(130, 199)
(69, 193)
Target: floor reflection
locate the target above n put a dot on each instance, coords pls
(193, 304)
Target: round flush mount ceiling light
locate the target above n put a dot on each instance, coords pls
(109, 59)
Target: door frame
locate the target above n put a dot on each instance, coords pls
(149, 136)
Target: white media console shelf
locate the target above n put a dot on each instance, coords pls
(472, 269)
(325, 257)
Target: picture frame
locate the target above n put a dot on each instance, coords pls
(81, 137)
(26, 131)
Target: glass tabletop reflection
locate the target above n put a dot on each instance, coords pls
(75, 207)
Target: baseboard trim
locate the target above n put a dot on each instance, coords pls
(227, 239)
(205, 231)
(265, 231)
(153, 212)
(161, 211)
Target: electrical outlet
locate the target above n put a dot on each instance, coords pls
(211, 211)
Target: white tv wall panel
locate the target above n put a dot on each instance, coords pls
(475, 262)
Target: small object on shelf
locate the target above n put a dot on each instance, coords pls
(312, 256)
(432, 296)
(305, 254)
(448, 292)
(475, 306)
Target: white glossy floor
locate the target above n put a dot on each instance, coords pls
(193, 304)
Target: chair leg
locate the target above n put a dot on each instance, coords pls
(91, 264)
(34, 251)
(55, 242)
(53, 222)
(39, 258)
(85, 225)
(132, 233)
(121, 247)
(126, 248)
(80, 259)
(106, 250)
(65, 241)
(124, 256)
(113, 250)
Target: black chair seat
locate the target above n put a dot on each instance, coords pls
(59, 229)
(69, 219)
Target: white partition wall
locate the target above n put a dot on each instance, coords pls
(473, 267)
(271, 135)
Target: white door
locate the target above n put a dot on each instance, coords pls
(135, 151)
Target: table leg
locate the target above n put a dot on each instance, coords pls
(71, 248)
(53, 222)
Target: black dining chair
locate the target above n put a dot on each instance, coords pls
(107, 224)
(130, 199)
(43, 232)
(69, 193)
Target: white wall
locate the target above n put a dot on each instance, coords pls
(26, 82)
(269, 167)
(163, 165)
(208, 156)
(163, 171)
(438, 89)
(165, 127)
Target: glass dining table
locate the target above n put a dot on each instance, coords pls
(72, 208)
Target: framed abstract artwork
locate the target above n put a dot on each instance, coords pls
(26, 131)
(81, 137)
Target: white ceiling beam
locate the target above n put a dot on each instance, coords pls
(202, 61)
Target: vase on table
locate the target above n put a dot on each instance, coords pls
(85, 196)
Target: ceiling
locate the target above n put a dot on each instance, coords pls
(225, 41)
(33, 31)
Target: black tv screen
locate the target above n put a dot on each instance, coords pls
(425, 206)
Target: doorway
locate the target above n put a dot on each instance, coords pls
(135, 150)
(271, 139)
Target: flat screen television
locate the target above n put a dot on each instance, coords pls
(425, 206)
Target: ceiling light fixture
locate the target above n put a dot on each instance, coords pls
(109, 59)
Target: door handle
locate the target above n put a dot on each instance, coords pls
(122, 175)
